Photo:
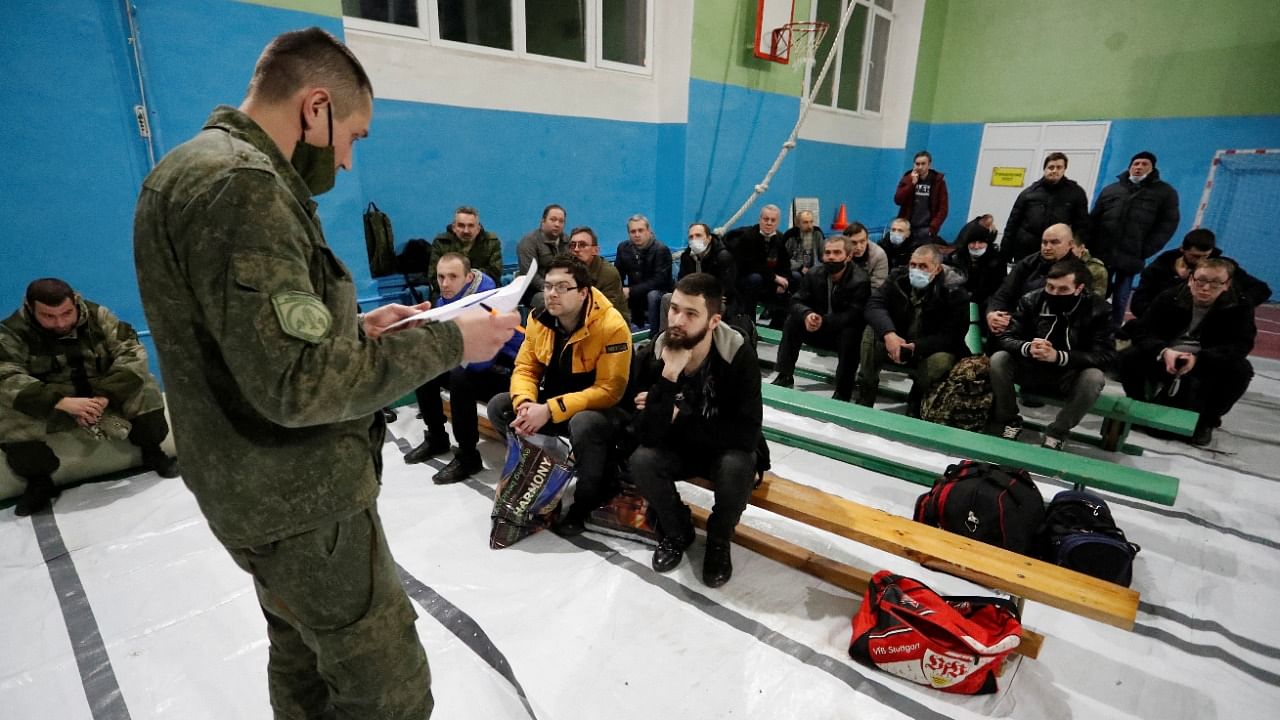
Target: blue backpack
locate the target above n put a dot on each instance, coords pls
(1080, 534)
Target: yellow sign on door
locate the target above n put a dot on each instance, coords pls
(1008, 176)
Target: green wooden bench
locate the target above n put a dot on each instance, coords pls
(1119, 413)
(1080, 471)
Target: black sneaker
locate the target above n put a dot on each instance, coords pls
(434, 442)
(569, 524)
(670, 552)
(163, 465)
(785, 380)
(717, 567)
(1203, 436)
(463, 466)
(38, 495)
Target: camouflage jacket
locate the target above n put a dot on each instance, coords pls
(36, 367)
(272, 385)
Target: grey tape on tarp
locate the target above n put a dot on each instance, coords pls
(96, 675)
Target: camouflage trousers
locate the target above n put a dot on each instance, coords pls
(343, 642)
(925, 372)
(17, 426)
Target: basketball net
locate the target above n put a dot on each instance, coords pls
(798, 40)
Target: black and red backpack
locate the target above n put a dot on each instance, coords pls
(994, 504)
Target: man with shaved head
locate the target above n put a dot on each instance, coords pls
(1029, 273)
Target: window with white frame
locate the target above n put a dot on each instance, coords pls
(855, 81)
(614, 34)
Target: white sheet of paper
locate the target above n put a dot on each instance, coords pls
(503, 300)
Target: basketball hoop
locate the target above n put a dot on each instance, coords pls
(798, 39)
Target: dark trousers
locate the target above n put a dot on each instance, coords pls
(845, 340)
(34, 458)
(656, 470)
(1079, 388)
(1211, 388)
(343, 642)
(430, 404)
(593, 434)
(466, 388)
(645, 309)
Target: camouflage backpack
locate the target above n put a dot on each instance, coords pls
(963, 399)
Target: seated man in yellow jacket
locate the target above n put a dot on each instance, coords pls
(569, 376)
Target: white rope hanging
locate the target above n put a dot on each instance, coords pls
(806, 100)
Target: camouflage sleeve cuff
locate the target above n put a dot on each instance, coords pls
(118, 386)
(38, 401)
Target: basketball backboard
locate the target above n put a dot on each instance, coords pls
(771, 15)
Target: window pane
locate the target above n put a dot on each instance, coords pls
(828, 11)
(479, 22)
(555, 28)
(851, 61)
(622, 34)
(400, 12)
(886, 4)
(879, 51)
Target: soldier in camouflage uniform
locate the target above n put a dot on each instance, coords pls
(67, 363)
(275, 382)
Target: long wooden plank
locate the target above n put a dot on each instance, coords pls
(1144, 484)
(846, 577)
(939, 550)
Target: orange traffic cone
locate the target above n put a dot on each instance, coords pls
(842, 219)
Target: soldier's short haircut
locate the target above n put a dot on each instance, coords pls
(705, 286)
(1217, 264)
(575, 267)
(854, 228)
(922, 154)
(49, 291)
(586, 229)
(1200, 239)
(1073, 268)
(547, 210)
(1055, 156)
(466, 261)
(929, 251)
(640, 219)
(311, 58)
(467, 210)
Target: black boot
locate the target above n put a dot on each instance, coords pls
(671, 551)
(717, 567)
(434, 442)
(572, 522)
(40, 491)
(465, 463)
(785, 380)
(163, 465)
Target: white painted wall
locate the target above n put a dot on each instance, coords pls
(889, 129)
(404, 67)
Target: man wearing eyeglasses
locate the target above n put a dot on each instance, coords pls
(569, 376)
(1190, 348)
(584, 245)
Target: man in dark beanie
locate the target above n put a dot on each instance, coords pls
(1132, 220)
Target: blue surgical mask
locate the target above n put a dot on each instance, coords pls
(919, 278)
(897, 238)
(977, 252)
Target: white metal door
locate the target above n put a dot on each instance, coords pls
(1024, 146)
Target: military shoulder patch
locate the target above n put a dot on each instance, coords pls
(302, 315)
(616, 348)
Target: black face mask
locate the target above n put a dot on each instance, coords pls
(1060, 304)
(834, 268)
(316, 164)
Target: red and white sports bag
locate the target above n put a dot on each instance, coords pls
(954, 644)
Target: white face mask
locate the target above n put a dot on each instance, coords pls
(977, 252)
(1135, 179)
(897, 238)
(698, 246)
(918, 278)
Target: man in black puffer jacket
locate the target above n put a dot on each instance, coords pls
(1060, 342)
(1131, 221)
(1192, 347)
(1050, 200)
(918, 319)
(1174, 267)
(827, 312)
